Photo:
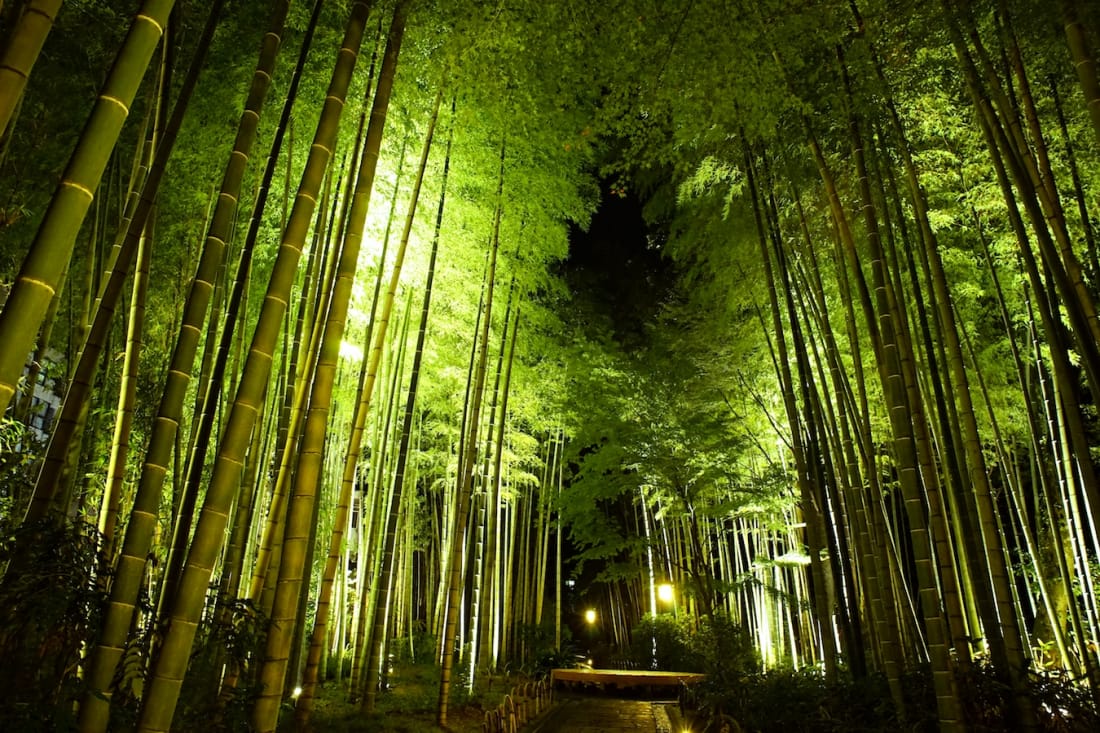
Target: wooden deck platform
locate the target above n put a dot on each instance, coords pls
(624, 677)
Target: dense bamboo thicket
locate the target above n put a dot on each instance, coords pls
(334, 333)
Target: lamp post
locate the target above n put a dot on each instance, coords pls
(590, 620)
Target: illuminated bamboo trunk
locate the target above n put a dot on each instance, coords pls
(1063, 413)
(389, 535)
(1083, 61)
(51, 250)
(484, 574)
(111, 500)
(69, 419)
(465, 479)
(1049, 584)
(384, 466)
(842, 414)
(1006, 140)
(304, 705)
(1070, 152)
(266, 568)
(840, 535)
(142, 524)
(880, 322)
(804, 455)
(501, 559)
(162, 690)
(22, 51)
(368, 559)
(307, 476)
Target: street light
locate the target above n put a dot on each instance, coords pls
(590, 616)
(665, 593)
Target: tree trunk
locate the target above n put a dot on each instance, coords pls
(49, 254)
(465, 478)
(162, 690)
(308, 474)
(110, 292)
(378, 641)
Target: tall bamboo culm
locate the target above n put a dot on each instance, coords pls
(162, 691)
(40, 275)
(308, 475)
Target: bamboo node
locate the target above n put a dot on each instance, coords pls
(156, 24)
(18, 72)
(38, 282)
(115, 100)
(79, 187)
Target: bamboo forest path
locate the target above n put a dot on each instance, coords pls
(592, 714)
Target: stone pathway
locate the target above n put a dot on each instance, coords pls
(604, 715)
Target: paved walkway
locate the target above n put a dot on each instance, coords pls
(605, 715)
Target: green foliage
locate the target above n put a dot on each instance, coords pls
(50, 606)
(20, 452)
(788, 700)
(723, 650)
(422, 647)
(663, 642)
(229, 641)
(234, 637)
(1063, 704)
(544, 656)
(549, 659)
(715, 646)
(407, 707)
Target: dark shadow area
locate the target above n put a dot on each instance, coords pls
(616, 270)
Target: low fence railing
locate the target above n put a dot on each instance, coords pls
(523, 704)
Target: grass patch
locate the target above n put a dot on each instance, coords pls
(411, 702)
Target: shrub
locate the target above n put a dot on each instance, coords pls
(663, 642)
(49, 607)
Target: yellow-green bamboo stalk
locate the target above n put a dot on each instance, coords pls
(49, 254)
(23, 48)
(1083, 62)
(307, 477)
(465, 479)
(269, 545)
(162, 691)
(389, 525)
(55, 476)
(124, 415)
(120, 443)
(142, 525)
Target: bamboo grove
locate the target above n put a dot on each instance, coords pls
(300, 372)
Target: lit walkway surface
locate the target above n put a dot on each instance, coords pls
(604, 715)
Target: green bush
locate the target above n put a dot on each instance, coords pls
(548, 659)
(50, 606)
(663, 642)
(422, 647)
(789, 701)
